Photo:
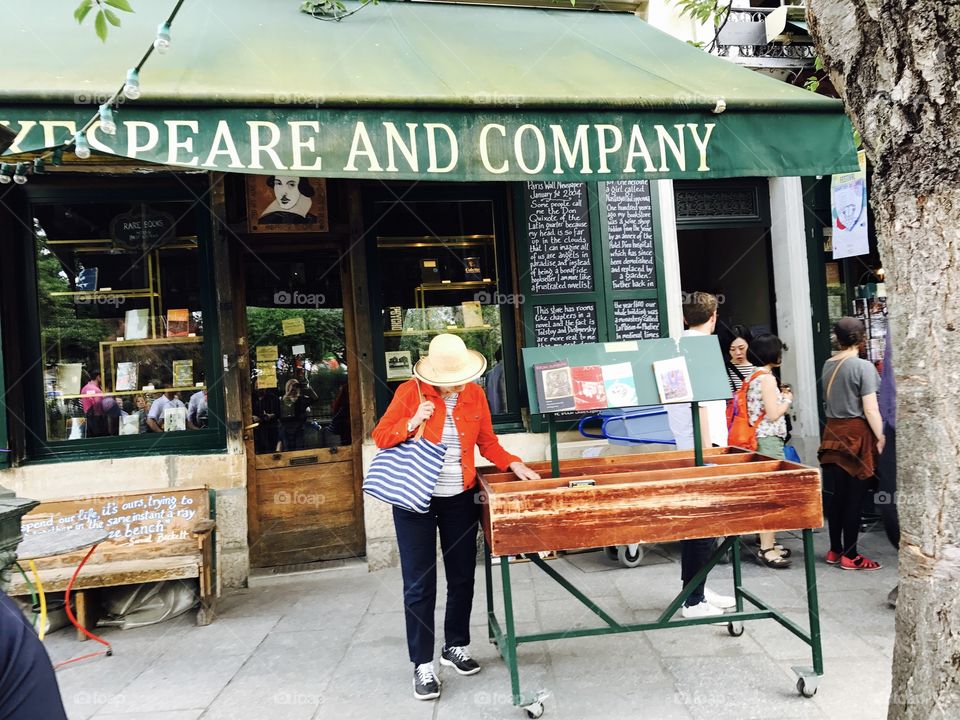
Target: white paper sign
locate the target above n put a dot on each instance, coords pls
(848, 204)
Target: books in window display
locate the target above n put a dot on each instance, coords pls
(178, 323)
(126, 376)
(182, 373)
(136, 324)
(589, 392)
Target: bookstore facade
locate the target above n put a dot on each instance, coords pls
(228, 295)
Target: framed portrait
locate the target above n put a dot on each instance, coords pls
(286, 204)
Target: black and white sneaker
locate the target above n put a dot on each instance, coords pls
(426, 684)
(459, 659)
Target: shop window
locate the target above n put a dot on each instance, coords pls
(124, 327)
(441, 270)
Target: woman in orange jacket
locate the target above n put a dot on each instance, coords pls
(454, 410)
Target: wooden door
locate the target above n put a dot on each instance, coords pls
(303, 450)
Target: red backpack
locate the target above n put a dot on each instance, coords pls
(740, 433)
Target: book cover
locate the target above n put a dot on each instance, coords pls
(472, 313)
(620, 386)
(182, 373)
(87, 280)
(68, 378)
(429, 270)
(554, 386)
(130, 424)
(673, 380)
(471, 268)
(399, 364)
(589, 392)
(178, 323)
(136, 324)
(395, 313)
(126, 376)
(174, 419)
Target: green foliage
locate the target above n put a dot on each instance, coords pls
(704, 11)
(104, 17)
(812, 83)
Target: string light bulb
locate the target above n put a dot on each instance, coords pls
(81, 147)
(39, 166)
(131, 88)
(20, 175)
(107, 123)
(6, 172)
(162, 43)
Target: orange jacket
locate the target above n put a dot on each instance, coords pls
(471, 416)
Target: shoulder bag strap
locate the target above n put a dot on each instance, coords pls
(419, 433)
(834, 377)
(746, 384)
(736, 370)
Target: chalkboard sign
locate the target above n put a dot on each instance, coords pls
(565, 324)
(558, 236)
(636, 319)
(633, 264)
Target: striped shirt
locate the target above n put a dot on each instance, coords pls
(735, 381)
(450, 482)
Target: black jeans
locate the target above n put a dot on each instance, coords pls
(844, 500)
(456, 518)
(693, 556)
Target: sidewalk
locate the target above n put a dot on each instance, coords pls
(331, 645)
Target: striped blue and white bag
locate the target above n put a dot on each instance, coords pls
(406, 474)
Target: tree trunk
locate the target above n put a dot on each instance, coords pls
(895, 62)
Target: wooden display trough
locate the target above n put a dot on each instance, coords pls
(647, 498)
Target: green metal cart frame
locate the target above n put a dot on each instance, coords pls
(700, 354)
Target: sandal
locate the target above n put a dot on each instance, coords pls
(858, 563)
(778, 561)
(784, 551)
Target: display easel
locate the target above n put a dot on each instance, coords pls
(709, 382)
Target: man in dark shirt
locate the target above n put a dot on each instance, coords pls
(28, 687)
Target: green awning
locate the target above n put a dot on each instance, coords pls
(415, 90)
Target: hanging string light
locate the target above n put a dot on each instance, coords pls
(162, 43)
(107, 123)
(130, 89)
(81, 148)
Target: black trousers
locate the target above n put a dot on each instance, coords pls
(693, 556)
(844, 502)
(456, 520)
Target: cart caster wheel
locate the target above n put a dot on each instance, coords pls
(611, 552)
(534, 710)
(805, 689)
(735, 628)
(630, 558)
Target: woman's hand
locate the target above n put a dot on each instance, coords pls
(424, 412)
(881, 444)
(523, 472)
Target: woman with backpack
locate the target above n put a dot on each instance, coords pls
(737, 341)
(767, 408)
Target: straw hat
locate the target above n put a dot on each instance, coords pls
(449, 362)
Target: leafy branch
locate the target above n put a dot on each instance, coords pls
(105, 17)
(707, 11)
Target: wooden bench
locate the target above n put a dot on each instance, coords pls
(155, 535)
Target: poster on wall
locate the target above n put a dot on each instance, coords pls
(286, 203)
(848, 205)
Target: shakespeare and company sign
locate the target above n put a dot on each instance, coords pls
(446, 145)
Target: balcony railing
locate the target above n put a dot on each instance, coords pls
(775, 41)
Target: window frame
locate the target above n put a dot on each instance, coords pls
(496, 193)
(209, 440)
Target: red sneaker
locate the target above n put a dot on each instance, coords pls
(833, 558)
(858, 563)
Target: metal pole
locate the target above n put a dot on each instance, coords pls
(510, 641)
(554, 456)
(813, 608)
(697, 442)
(488, 576)
(737, 574)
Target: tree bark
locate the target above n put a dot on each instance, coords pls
(895, 63)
